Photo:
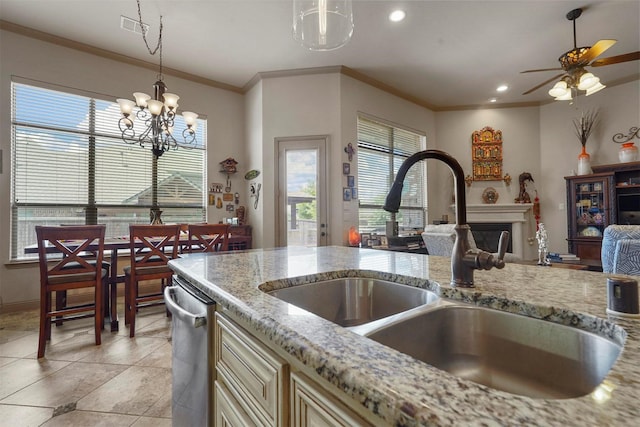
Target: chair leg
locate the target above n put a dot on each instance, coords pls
(133, 288)
(99, 313)
(42, 336)
(61, 302)
(126, 300)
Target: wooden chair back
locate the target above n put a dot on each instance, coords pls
(208, 237)
(159, 245)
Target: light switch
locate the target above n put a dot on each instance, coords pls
(560, 206)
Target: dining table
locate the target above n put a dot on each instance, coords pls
(112, 245)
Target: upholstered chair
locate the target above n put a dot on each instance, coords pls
(621, 249)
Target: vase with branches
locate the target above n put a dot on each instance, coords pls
(584, 126)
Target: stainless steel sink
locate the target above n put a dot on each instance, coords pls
(355, 301)
(505, 351)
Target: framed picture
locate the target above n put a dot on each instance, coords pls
(585, 187)
(346, 194)
(597, 186)
(346, 168)
(230, 207)
(354, 193)
(227, 197)
(364, 239)
(351, 181)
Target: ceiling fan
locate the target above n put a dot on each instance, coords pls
(574, 61)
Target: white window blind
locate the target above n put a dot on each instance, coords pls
(70, 166)
(381, 150)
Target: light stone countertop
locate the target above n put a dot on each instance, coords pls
(399, 389)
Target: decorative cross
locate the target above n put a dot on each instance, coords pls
(349, 150)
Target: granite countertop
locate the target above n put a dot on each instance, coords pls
(397, 388)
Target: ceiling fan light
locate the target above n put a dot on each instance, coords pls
(565, 97)
(595, 88)
(587, 80)
(559, 89)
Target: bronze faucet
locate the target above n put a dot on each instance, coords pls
(463, 259)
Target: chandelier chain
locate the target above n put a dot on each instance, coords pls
(144, 37)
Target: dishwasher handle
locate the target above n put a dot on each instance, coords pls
(196, 320)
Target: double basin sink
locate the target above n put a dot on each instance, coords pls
(501, 350)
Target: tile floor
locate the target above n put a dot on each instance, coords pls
(123, 382)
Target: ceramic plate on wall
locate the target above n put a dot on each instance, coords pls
(252, 174)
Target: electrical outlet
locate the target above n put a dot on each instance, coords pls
(560, 206)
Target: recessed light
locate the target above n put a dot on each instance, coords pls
(397, 15)
(502, 88)
(493, 100)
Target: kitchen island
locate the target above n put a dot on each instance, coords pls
(394, 388)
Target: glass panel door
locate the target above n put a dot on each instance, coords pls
(301, 203)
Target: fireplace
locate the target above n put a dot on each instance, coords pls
(514, 217)
(487, 235)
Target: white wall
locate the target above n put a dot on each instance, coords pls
(253, 128)
(619, 108)
(29, 58)
(521, 153)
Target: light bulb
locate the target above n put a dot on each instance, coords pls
(559, 89)
(141, 99)
(189, 118)
(171, 100)
(155, 107)
(587, 80)
(595, 88)
(126, 106)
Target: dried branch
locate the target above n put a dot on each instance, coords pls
(585, 125)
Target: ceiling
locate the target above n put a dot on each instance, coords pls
(446, 54)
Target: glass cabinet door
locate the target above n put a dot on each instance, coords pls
(592, 210)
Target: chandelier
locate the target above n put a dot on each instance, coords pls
(322, 24)
(157, 113)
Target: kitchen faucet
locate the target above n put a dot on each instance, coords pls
(463, 259)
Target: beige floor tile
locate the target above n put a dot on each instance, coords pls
(162, 408)
(21, 321)
(68, 385)
(160, 357)
(7, 335)
(134, 391)
(22, 346)
(15, 376)
(152, 422)
(23, 416)
(78, 346)
(7, 360)
(94, 419)
(125, 351)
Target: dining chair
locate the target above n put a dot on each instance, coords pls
(208, 237)
(65, 265)
(151, 248)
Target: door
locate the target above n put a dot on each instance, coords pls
(301, 210)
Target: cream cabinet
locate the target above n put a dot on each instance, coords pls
(228, 412)
(312, 407)
(255, 386)
(253, 374)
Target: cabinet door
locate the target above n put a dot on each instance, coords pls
(228, 412)
(592, 208)
(313, 407)
(254, 375)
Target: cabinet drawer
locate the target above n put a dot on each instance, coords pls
(312, 406)
(253, 373)
(228, 412)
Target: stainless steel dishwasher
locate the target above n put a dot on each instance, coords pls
(192, 354)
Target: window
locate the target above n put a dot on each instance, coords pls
(381, 150)
(70, 166)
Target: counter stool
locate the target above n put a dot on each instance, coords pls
(148, 262)
(65, 265)
(208, 237)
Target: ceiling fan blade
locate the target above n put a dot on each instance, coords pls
(543, 83)
(631, 56)
(541, 69)
(597, 50)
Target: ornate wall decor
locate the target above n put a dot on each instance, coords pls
(486, 154)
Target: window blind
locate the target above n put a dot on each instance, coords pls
(382, 149)
(70, 166)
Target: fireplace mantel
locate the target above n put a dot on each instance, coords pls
(513, 213)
